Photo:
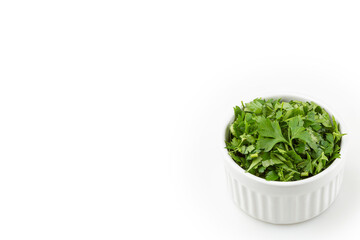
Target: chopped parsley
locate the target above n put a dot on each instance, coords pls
(283, 141)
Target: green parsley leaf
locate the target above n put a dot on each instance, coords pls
(298, 131)
(270, 134)
(254, 163)
(272, 176)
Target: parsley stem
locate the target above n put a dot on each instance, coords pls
(286, 147)
(304, 174)
(290, 143)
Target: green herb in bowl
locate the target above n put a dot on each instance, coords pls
(283, 141)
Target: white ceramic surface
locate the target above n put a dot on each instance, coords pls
(285, 202)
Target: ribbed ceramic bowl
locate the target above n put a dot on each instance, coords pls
(285, 202)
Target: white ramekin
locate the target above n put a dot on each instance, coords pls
(285, 202)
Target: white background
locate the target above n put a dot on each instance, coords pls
(111, 112)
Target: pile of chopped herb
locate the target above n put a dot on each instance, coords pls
(283, 141)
